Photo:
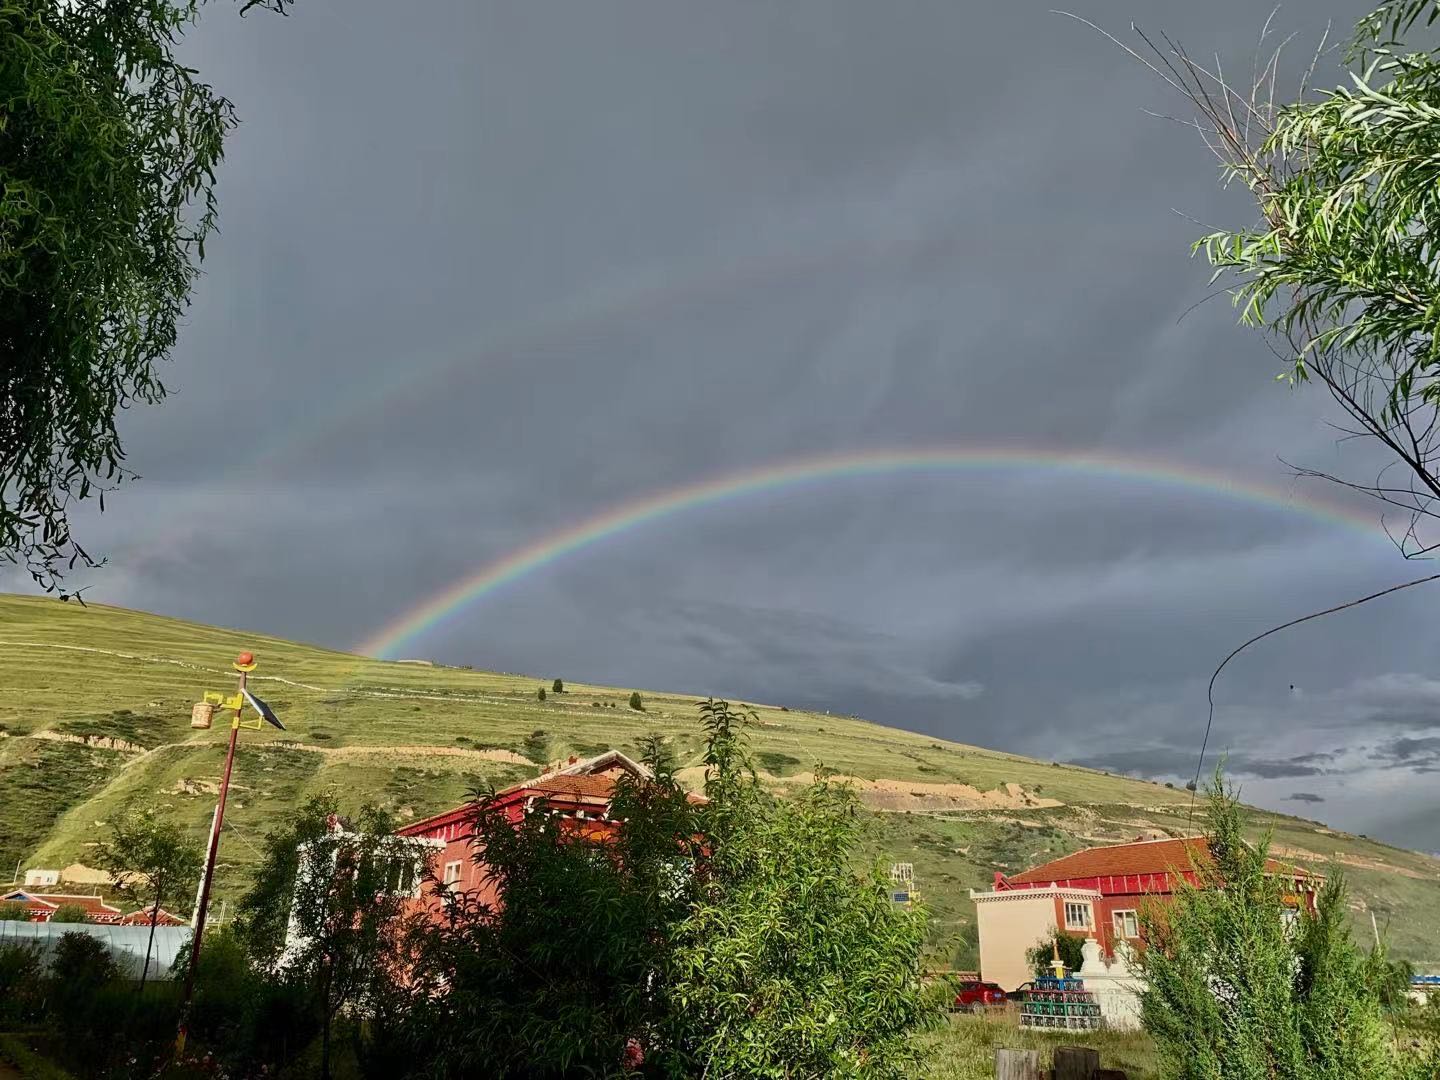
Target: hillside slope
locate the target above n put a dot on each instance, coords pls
(95, 708)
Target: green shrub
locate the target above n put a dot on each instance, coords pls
(540, 693)
(773, 761)
(938, 995)
(1234, 991)
(730, 939)
(22, 992)
(635, 701)
(1041, 955)
(558, 686)
(536, 746)
(249, 1021)
(29, 1064)
(69, 913)
(14, 911)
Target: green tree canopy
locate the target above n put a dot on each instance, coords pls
(326, 909)
(732, 938)
(151, 861)
(1340, 267)
(108, 151)
(1041, 955)
(14, 911)
(1236, 990)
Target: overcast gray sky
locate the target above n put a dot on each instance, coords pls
(489, 269)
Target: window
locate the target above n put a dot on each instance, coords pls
(1077, 916)
(452, 873)
(1126, 924)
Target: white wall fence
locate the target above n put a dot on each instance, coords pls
(127, 943)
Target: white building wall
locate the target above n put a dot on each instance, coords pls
(1117, 988)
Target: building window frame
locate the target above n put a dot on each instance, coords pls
(451, 874)
(1126, 923)
(1079, 915)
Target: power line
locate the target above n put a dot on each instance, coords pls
(1210, 690)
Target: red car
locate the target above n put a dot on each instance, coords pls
(978, 996)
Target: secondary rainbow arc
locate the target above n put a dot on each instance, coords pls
(402, 631)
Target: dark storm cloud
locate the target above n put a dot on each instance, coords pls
(1305, 796)
(493, 269)
(1163, 761)
(1420, 754)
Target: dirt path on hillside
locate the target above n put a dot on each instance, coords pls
(344, 753)
(900, 795)
(1360, 862)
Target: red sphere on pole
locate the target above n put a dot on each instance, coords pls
(245, 659)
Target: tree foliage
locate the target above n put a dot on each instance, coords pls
(108, 151)
(1236, 991)
(730, 938)
(1041, 955)
(326, 910)
(151, 861)
(70, 913)
(789, 962)
(262, 916)
(1341, 267)
(14, 911)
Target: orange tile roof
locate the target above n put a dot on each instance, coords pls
(599, 787)
(93, 905)
(1143, 857)
(142, 918)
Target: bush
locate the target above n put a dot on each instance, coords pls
(80, 968)
(69, 913)
(1235, 991)
(536, 746)
(22, 993)
(30, 1064)
(938, 995)
(730, 939)
(635, 701)
(14, 911)
(247, 1019)
(558, 686)
(1041, 955)
(540, 693)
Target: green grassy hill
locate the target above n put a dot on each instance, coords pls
(95, 714)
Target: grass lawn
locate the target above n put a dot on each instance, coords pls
(963, 1047)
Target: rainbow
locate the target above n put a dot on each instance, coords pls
(403, 631)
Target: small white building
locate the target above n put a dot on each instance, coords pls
(39, 879)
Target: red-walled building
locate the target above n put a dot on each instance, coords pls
(578, 790)
(1096, 893)
(142, 918)
(41, 906)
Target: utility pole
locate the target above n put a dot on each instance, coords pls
(244, 664)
